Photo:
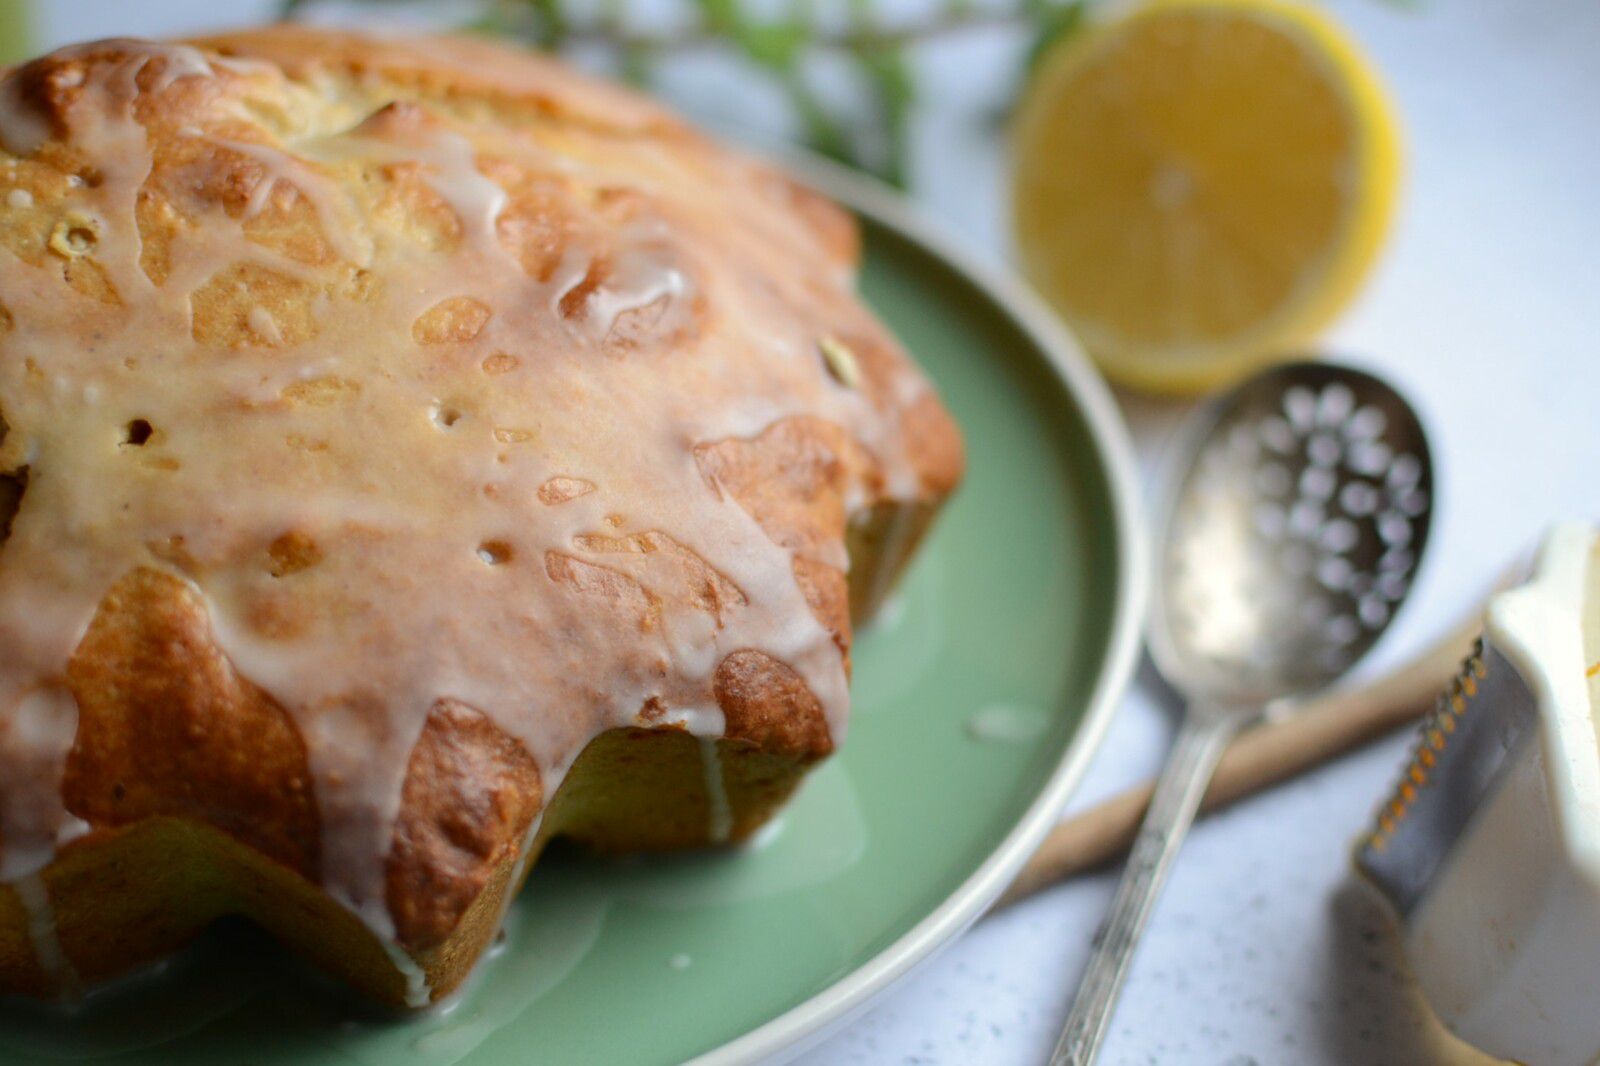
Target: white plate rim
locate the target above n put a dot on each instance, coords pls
(809, 1022)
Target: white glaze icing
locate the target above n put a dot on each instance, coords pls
(821, 839)
(421, 457)
(264, 326)
(34, 739)
(719, 817)
(1007, 723)
(419, 992)
(35, 899)
(283, 169)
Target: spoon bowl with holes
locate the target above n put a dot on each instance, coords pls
(1297, 508)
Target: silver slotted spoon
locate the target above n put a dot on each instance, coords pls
(1296, 515)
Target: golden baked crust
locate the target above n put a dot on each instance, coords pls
(410, 451)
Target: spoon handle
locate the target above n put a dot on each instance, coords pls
(1201, 740)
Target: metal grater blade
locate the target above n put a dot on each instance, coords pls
(1466, 745)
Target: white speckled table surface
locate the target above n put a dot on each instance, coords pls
(1486, 309)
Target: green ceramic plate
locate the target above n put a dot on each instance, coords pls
(979, 698)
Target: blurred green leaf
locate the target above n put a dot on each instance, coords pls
(823, 132)
(551, 26)
(777, 46)
(780, 46)
(636, 68)
(887, 73)
(722, 16)
(15, 31)
(894, 91)
(1055, 21)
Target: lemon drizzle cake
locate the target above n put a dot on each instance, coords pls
(414, 451)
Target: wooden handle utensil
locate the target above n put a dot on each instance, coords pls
(1326, 726)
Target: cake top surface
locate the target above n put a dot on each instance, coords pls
(433, 372)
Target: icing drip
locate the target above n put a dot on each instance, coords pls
(35, 898)
(178, 61)
(280, 168)
(34, 739)
(466, 440)
(476, 200)
(719, 819)
(419, 993)
(1007, 723)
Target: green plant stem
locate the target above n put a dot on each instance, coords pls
(778, 46)
(613, 33)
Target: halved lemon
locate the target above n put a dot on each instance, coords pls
(1201, 185)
